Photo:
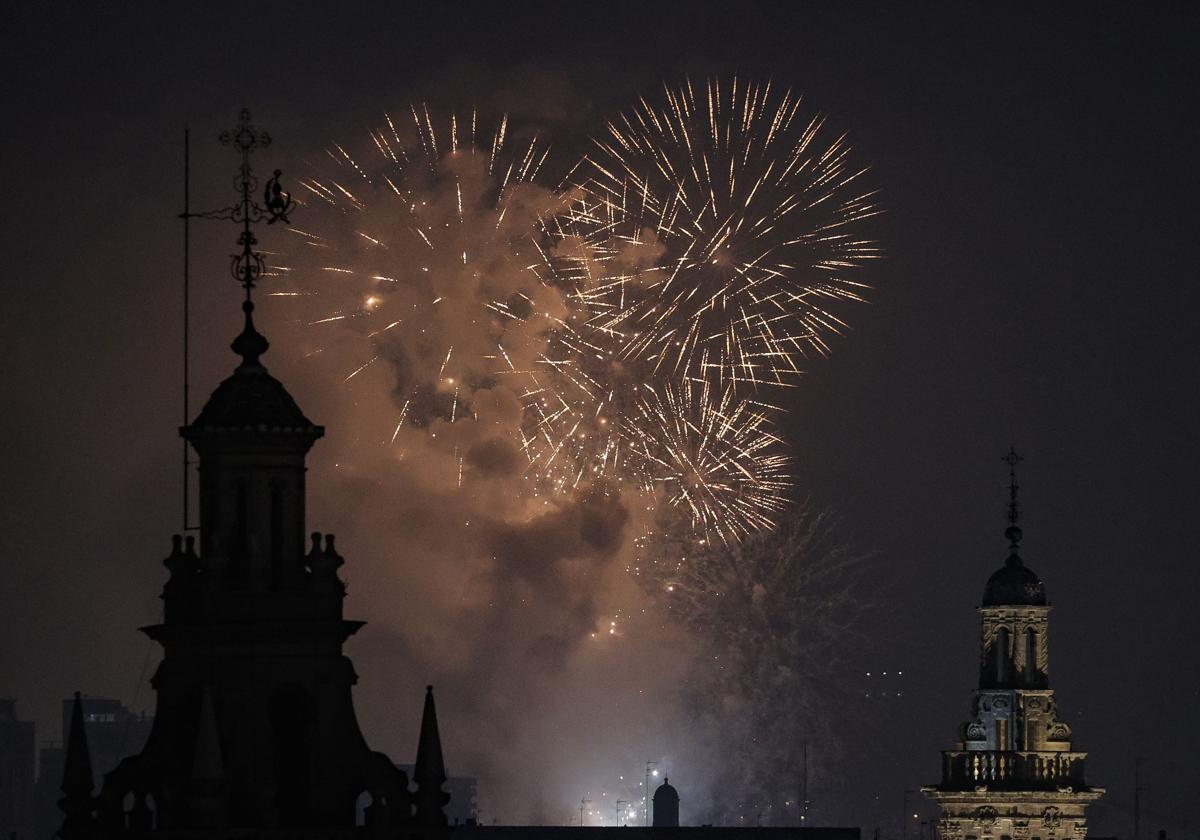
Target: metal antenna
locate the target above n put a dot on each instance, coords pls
(1137, 798)
(804, 789)
(186, 216)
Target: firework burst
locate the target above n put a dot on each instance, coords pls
(429, 250)
(726, 228)
(713, 457)
(635, 315)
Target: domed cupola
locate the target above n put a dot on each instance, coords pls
(251, 400)
(1014, 584)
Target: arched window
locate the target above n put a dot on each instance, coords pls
(1003, 657)
(362, 807)
(1031, 669)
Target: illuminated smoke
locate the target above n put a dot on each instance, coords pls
(505, 432)
(777, 617)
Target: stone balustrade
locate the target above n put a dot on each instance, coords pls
(968, 769)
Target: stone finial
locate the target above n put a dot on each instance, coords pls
(324, 563)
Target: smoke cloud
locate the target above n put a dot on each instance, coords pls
(420, 291)
(414, 297)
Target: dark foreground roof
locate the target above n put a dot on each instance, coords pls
(561, 832)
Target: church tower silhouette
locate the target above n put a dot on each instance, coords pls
(1014, 774)
(255, 731)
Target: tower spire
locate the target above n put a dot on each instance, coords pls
(77, 770)
(429, 773)
(1013, 532)
(77, 783)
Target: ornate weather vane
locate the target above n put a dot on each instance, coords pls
(1013, 532)
(248, 265)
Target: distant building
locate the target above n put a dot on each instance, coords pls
(706, 832)
(665, 827)
(464, 796)
(16, 773)
(47, 818)
(113, 732)
(1014, 773)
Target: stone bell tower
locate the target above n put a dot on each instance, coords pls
(1014, 774)
(255, 732)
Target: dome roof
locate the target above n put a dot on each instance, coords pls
(251, 399)
(1014, 584)
(666, 791)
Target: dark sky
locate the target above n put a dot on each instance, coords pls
(1039, 172)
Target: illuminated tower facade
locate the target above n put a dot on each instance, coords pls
(1014, 774)
(255, 732)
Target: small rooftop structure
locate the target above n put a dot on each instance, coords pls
(666, 806)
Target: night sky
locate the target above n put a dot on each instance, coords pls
(1039, 174)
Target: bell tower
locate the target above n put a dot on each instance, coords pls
(1014, 773)
(255, 729)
